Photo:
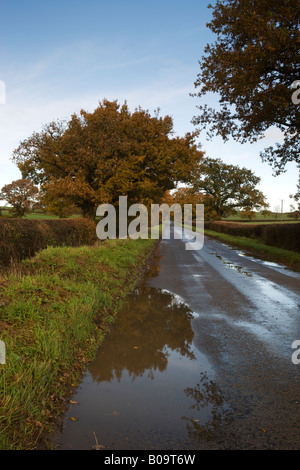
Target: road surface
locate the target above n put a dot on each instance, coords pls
(247, 318)
(199, 358)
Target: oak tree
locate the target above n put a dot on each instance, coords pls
(252, 67)
(188, 195)
(98, 156)
(228, 188)
(296, 196)
(20, 194)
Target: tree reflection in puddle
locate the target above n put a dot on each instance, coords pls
(207, 395)
(151, 323)
(137, 392)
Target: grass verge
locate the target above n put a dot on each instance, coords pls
(54, 312)
(290, 259)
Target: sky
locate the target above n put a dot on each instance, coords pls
(58, 57)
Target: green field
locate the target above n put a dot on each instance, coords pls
(260, 218)
(33, 215)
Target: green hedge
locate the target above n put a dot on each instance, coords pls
(22, 238)
(285, 236)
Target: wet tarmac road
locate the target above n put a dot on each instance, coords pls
(199, 358)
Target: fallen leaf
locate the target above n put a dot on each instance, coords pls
(114, 413)
(263, 430)
(73, 419)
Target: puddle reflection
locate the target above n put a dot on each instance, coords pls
(149, 387)
(207, 394)
(152, 324)
(234, 266)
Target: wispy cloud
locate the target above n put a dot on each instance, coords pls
(78, 74)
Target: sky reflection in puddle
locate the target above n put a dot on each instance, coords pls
(231, 265)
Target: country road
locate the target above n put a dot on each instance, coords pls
(247, 317)
(218, 373)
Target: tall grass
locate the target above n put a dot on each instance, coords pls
(54, 312)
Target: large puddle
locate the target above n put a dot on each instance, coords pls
(149, 387)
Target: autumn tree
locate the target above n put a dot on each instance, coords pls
(296, 198)
(60, 205)
(20, 194)
(188, 195)
(247, 214)
(295, 213)
(228, 188)
(98, 156)
(252, 67)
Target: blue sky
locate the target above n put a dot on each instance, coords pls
(62, 56)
